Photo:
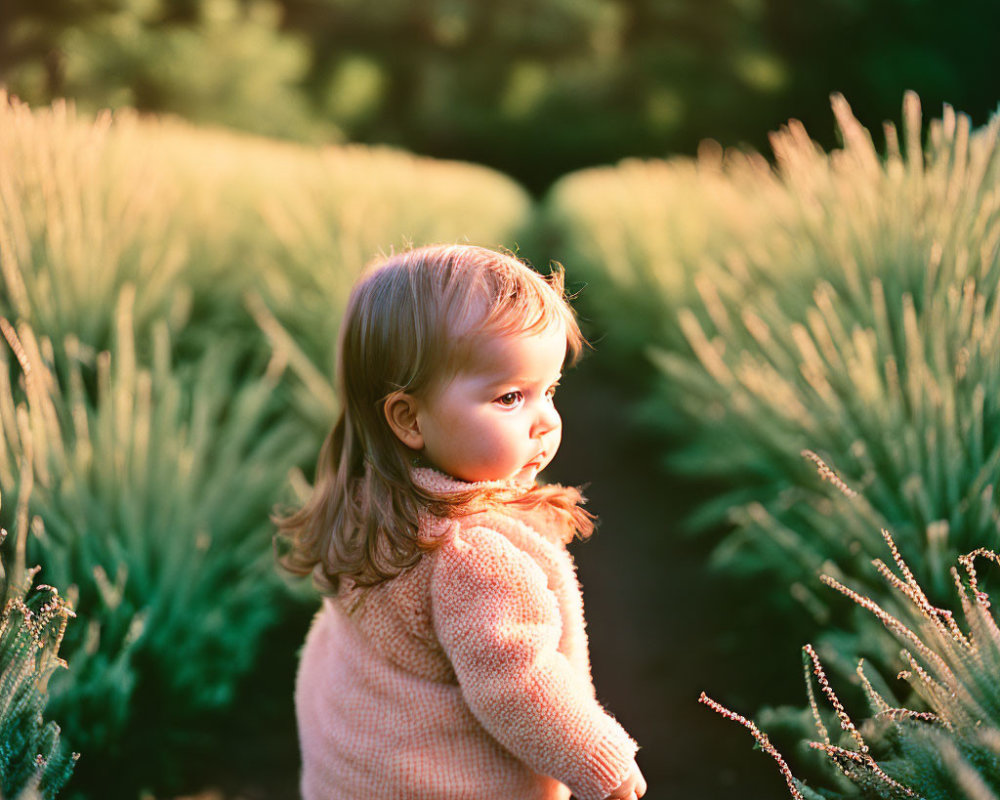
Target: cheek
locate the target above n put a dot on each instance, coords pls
(479, 433)
(497, 437)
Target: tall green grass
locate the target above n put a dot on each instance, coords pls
(155, 500)
(195, 219)
(944, 742)
(846, 305)
(139, 259)
(85, 207)
(34, 761)
(641, 233)
(335, 213)
(837, 310)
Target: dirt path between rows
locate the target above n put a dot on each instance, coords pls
(662, 628)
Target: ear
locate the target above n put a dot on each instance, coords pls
(401, 414)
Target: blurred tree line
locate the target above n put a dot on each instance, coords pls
(535, 88)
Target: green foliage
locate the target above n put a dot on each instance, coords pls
(214, 61)
(641, 233)
(894, 45)
(535, 89)
(860, 321)
(196, 220)
(450, 77)
(946, 748)
(155, 497)
(330, 215)
(88, 206)
(34, 761)
(84, 209)
(538, 89)
(130, 250)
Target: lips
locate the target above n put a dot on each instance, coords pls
(537, 461)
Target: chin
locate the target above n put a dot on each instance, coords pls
(525, 475)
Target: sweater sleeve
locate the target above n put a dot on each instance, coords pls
(499, 624)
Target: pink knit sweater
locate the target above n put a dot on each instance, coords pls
(466, 677)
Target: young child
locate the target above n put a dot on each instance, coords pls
(449, 660)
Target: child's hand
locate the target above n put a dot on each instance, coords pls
(632, 787)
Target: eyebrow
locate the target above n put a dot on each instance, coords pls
(518, 381)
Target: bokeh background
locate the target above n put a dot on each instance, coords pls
(534, 89)
(783, 225)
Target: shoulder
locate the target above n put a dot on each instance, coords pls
(479, 577)
(483, 537)
(484, 549)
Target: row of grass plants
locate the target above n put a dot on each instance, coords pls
(938, 736)
(35, 762)
(170, 298)
(842, 305)
(860, 322)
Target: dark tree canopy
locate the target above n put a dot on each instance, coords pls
(535, 88)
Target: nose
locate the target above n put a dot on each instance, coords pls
(546, 420)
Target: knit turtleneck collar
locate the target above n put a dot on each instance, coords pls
(433, 480)
(551, 518)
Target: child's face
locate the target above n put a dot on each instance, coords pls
(496, 420)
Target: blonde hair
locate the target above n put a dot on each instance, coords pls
(412, 319)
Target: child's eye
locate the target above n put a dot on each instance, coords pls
(509, 400)
(551, 391)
